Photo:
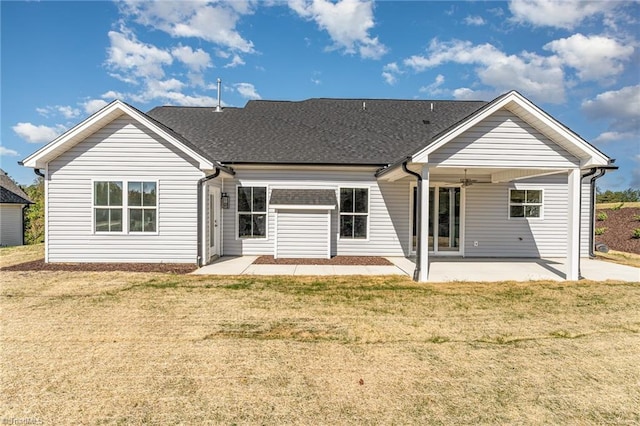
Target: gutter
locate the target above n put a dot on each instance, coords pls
(200, 226)
(416, 272)
(592, 205)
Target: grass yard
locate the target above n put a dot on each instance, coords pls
(149, 348)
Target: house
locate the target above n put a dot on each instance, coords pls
(13, 200)
(319, 178)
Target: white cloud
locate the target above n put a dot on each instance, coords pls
(621, 108)
(111, 94)
(390, 73)
(434, 88)
(44, 111)
(595, 57)
(93, 105)
(247, 90)
(130, 58)
(199, 19)
(541, 78)
(37, 134)
(68, 111)
(347, 22)
(8, 152)
(606, 137)
(196, 60)
(467, 94)
(65, 110)
(557, 13)
(236, 61)
(474, 20)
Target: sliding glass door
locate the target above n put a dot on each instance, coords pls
(444, 219)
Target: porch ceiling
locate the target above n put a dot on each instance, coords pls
(454, 174)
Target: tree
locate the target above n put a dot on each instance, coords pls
(627, 196)
(34, 213)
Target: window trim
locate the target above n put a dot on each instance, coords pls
(368, 213)
(541, 204)
(125, 206)
(266, 212)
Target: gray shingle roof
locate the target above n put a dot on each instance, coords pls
(315, 131)
(303, 197)
(10, 192)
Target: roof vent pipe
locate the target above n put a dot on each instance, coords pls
(219, 106)
(431, 106)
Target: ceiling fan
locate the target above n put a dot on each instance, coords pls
(467, 182)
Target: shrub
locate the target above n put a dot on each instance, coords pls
(636, 217)
(600, 231)
(636, 233)
(602, 216)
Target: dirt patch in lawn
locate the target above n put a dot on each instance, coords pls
(618, 229)
(40, 265)
(336, 260)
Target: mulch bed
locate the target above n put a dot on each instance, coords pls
(336, 260)
(620, 225)
(39, 265)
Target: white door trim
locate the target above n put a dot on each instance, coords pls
(214, 227)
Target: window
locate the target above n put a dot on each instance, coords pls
(107, 206)
(525, 203)
(354, 212)
(252, 211)
(142, 201)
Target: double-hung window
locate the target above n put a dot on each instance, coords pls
(252, 211)
(142, 201)
(107, 206)
(525, 203)
(132, 212)
(354, 212)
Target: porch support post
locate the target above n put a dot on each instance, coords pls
(424, 225)
(573, 225)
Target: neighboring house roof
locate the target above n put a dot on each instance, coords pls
(315, 131)
(10, 192)
(303, 197)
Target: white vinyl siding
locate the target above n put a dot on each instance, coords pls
(503, 140)
(11, 227)
(388, 210)
(497, 236)
(302, 233)
(122, 150)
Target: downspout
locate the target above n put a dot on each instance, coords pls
(416, 272)
(38, 172)
(589, 173)
(200, 227)
(592, 208)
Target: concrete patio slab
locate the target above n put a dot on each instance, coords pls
(227, 265)
(440, 269)
(271, 270)
(599, 270)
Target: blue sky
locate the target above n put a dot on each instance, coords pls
(579, 61)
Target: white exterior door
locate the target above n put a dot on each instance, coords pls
(446, 220)
(214, 222)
